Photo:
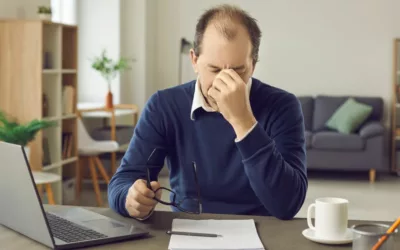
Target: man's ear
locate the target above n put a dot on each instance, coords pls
(193, 59)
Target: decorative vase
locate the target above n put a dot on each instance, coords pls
(45, 17)
(109, 100)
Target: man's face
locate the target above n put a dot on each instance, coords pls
(217, 53)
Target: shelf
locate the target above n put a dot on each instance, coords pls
(69, 116)
(52, 166)
(50, 55)
(69, 160)
(51, 119)
(59, 164)
(68, 71)
(50, 71)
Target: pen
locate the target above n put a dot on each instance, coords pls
(192, 234)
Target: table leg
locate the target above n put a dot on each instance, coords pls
(40, 191)
(78, 178)
(113, 163)
(50, 195)
(95, 182)
(101, 169)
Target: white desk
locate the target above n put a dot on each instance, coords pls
(102, 114)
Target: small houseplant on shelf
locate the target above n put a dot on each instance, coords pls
(21, 134)
(44, 13)
(109, 68)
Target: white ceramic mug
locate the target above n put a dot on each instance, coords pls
(331, 217)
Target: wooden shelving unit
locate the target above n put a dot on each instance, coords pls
(38, 61)
(395, 108)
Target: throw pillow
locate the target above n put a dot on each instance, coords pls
(349, 116)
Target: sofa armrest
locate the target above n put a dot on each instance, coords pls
(371, 129)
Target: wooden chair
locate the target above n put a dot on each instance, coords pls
(91, 149)
(112, 113)
(45, 179)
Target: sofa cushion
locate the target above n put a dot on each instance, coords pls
(325, 106)
(307, 106)
(308, 136)
(337, 141)
(349, 116)
(371, 129)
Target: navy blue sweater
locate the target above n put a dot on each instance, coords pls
(263, 174)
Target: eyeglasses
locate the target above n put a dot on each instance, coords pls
(190, 205)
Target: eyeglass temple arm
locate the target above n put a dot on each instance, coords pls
(148, 169)
(148, 179)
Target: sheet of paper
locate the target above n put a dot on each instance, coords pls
(235, 234)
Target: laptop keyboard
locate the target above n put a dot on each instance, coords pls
(70, 232)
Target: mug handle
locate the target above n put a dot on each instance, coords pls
(309, 222)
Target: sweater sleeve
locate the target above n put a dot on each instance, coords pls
(275, 162)
(149, 134)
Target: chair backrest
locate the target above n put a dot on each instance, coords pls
(84, 138)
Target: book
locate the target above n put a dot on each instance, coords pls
(68, 99)
(67, 145)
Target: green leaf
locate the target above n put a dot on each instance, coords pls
(21, 134)
(107, 67)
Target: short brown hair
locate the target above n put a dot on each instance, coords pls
(229, 13)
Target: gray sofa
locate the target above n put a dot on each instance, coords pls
(331, 150)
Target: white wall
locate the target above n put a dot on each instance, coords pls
(25, 9)
(99, 28)
(308, 47)
(64, 11)
(132, 44)
(138, 41)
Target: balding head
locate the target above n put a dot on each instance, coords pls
(227, 20)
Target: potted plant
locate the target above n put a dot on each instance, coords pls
(108, 68)
(21, 134)
(44, 13)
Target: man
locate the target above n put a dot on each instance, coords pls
(245, 137)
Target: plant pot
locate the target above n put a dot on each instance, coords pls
(45, 17)
(109, 100)
(27, 152)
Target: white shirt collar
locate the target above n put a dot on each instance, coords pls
(199, 102)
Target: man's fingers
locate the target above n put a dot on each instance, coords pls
(139, 207)
(155, 186)
(141, 187)
(220, 85)
(226, 78)
(143, 199)
(234, 75)
(136, 210)
(212, 92)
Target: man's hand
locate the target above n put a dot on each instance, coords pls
(139, 201)
(229, 92)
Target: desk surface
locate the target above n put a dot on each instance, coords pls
(274, 233)
(102, 114)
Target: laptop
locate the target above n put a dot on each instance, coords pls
(64, 228)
